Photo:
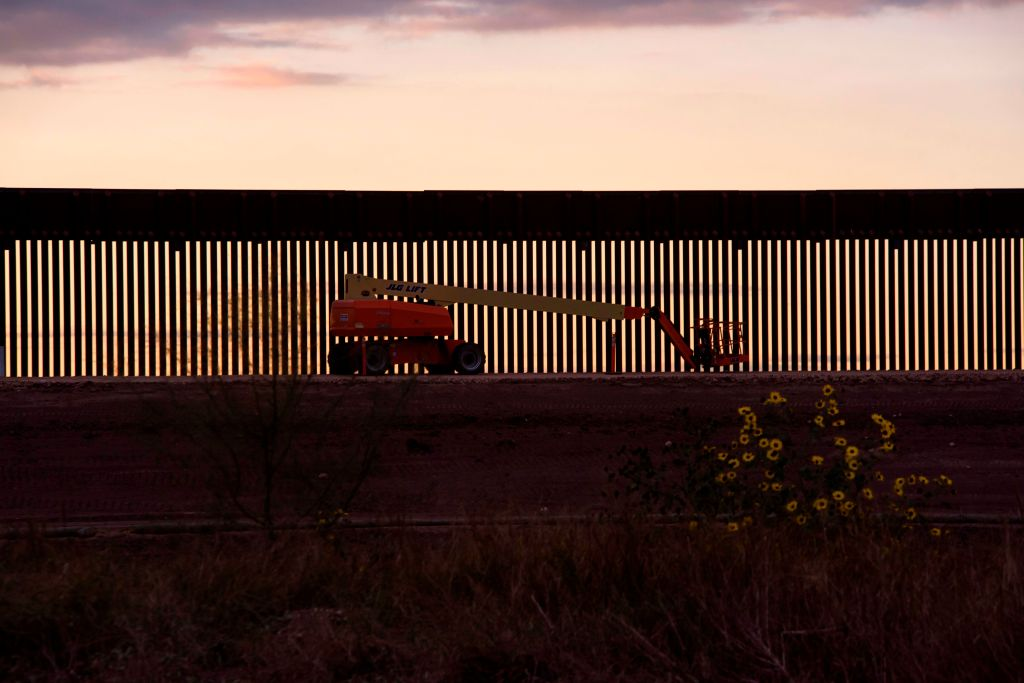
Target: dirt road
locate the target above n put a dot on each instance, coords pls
(75, 451)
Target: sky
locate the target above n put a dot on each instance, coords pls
(512, 94)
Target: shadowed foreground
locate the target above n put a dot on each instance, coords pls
(590, 602)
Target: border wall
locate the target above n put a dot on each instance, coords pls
(181, 282)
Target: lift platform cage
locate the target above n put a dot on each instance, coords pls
(721, 338)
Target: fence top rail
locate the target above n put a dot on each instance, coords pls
(258, 215)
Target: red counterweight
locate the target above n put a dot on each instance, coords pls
(385, 333)
(377, 318)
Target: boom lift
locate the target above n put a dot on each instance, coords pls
(381, 333)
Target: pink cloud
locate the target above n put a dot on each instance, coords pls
(264, 76)
(66, 32)
(34, 32)
(36, 78)
(522, 15)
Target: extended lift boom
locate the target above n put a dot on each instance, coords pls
(396, 332)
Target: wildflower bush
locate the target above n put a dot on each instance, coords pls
(328, 525)
(813, 470)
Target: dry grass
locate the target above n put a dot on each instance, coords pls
(585, 602)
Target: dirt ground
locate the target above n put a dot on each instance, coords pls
(104, 450)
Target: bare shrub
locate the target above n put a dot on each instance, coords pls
(269, 451)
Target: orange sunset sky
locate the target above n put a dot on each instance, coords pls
(512, 94)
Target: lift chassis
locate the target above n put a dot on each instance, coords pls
(378, 334)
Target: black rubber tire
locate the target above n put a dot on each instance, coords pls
(378, 359)
(339, 361)
(468, 359)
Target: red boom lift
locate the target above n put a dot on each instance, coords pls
(380, 334)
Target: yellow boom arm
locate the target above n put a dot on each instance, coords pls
(363, 287)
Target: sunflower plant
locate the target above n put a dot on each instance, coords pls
(808, 470)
